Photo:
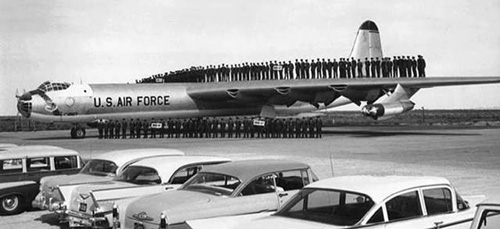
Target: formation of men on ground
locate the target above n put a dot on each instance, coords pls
(237, 127)
(398, 66)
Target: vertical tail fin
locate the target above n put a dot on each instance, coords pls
(367, 42)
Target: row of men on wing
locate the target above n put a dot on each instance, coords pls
(211, 128)
(398, 66)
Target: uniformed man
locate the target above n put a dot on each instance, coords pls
(100, 128)
(111, 129)
(124, 128)
(354, 64)
(414, 67)
(145, 128)
(348, 68)
(421, 66)
(377, 67)
(313, 69)
(319, 69)
(131, 128)
(138, 127)
(402, 66)
(307, 67)
(367, 67)
(389, 67)
(342, 68)
(230, 128)
(395, 65)
(324, 68)
(290, 70)
(373, 68)
(117, 129)
(163, 128)
(297, 69)
(319, 127)
(360, 68)
(335, 67)
(329, 68)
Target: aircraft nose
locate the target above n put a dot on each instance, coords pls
(24, 105)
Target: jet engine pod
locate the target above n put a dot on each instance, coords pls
(387, 110)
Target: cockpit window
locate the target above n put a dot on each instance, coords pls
(49, 86)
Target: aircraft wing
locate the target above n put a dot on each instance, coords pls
(287, 92)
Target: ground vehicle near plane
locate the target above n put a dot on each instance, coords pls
(92, 204)
(372, 202)
(102, 167)
(487, 214)
(239, 187)
(85, 104)
(22, 167)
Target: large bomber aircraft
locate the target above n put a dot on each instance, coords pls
(85, 104)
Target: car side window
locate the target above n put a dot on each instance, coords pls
(377, 217)
(404, 206)
(11, 166)
(490, 219)
(437, 201)
(66, 162)
(181, 176)
(38, 164)
(292, 180)
(260, 185)
(461, 204)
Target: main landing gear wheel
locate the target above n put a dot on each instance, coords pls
(77, 132)
(11, 204)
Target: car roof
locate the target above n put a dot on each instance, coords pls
(4, 146)
(248, 169)
(35, 151)
(377, 187)
(121, 157)
(167, 165)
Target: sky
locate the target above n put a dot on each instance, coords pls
(119, 41)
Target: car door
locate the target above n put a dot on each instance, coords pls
(426, 208)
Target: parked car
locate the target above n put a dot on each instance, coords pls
(102, 167)
(487, 215)
(239, 187)
(22, 167)
(92, 204)
(367, 202)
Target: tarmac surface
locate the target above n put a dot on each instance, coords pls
(469, 158)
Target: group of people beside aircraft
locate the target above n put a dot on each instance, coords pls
(238, 127)
(398, 66)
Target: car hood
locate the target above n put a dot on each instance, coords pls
(177, 205)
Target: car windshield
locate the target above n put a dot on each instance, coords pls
(212, 183)
(139, 175)
(333, 207)
(100, 168)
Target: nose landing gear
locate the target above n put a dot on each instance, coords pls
(77, 132)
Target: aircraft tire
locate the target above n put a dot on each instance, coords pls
(77, 132)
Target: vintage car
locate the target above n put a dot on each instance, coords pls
(234, 188)
(92, 204)
(102, 167)
(487, 214)
(22, 167)
(365, 202)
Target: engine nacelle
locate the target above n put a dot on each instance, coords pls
(387, 110)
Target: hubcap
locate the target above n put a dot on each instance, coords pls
(10, 203)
